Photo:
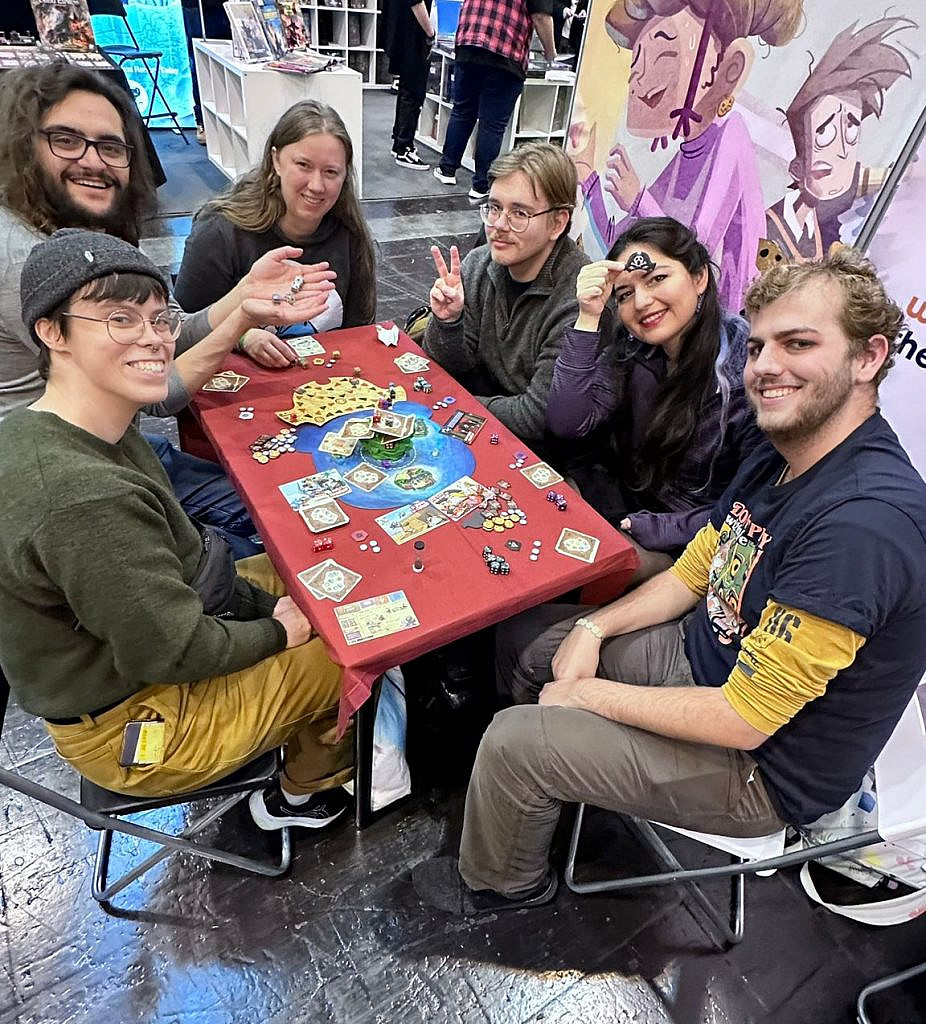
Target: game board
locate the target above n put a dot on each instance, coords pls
(434, 461)
(318, 402)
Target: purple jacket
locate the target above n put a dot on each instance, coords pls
(592, 383)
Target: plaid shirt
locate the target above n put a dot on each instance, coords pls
(503, 27)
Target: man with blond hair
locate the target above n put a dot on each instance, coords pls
(753, 684)
(498, 316)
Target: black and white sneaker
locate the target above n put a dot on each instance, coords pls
(270, 810)
(411, 160)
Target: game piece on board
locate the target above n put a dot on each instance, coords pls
(364, 547)
(336, 353)
(639, 261)
(448, 400)
(359, 535)
(318, 362)
(417, 565)
(561, 503)
(246, 412)
(357, 371)
(419, 545)
(513, 545)
(493, 439)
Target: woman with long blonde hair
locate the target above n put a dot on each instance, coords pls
(303, 193)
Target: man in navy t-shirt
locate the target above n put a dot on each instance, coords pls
(753, 683)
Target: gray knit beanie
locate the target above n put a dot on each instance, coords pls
(72, 257)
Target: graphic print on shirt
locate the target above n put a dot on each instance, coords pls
(740, 545)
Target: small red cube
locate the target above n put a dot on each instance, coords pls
(322, 544)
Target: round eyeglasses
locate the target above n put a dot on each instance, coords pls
(518, 220)
(125, 326)
(71, 146)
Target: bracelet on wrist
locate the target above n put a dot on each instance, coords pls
(590, 626)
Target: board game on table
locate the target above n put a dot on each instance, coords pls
(400, 514)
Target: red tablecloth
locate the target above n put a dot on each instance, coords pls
(455, 595)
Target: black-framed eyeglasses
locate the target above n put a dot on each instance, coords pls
(518, 220)
(125, 326)
(71, 146)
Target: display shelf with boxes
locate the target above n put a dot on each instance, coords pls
(242, 102)
(349, 30)
(541, 113)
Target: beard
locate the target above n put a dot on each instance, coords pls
(117, 220)
(821, 400)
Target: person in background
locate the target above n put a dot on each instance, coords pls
(491, 50)
(409, 36)
(666, 384)
(304, 194)
(114, 609)
(72, 155)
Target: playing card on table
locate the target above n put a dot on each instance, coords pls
(411, 521)
(374, 617)
(394, 424)
(330, 580)
(459, 498)
(411, 362)
(228, 381)
(334, 443)
(365, 477)
(324, 515)
(309, 489)
(359, 428)
(577, 545)
(305, 346)
(541, 475)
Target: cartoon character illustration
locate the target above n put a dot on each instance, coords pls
(690, 58)
(731, 567)
(825, 120)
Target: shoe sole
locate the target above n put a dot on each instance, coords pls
(267, 823)
(444, 180)
(414, 167)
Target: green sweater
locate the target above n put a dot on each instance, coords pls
(95, 559)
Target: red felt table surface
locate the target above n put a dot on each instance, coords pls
(455, 595)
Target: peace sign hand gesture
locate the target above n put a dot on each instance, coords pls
(447, 292)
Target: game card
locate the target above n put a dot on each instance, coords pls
(394, 424)
(305, 346)
(324, 515)
(411, 521)
(365, 477)
(375, 617)
(334, 443)
(464, 426)
(577, 545)
(459, 499)
(410, 362)
(359, 428)
(228, 381)
(542, 475)
(330, 580)
(309, 489)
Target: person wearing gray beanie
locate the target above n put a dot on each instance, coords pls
(118, 614)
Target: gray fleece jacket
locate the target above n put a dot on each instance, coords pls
(20, 381)
(513, 348)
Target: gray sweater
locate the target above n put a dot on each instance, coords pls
(20, 382)
(512, 348)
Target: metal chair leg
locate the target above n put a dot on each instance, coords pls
(881, 985)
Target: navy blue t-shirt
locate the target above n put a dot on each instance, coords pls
(844, 541)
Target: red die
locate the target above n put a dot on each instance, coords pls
(322, 544)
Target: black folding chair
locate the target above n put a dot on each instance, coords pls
(101, 810)
(123, 53)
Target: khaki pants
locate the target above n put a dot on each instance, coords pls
(533, 759)
(214, 726)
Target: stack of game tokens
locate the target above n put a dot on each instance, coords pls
(535, 550)
(497, 565)
(519, 459)
(423, 385)
(267, 446)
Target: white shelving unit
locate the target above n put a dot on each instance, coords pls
(348, 30)
(542, 111)
(242, 102)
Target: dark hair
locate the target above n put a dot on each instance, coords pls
(112, 288)
(697, 375)
(26, 95)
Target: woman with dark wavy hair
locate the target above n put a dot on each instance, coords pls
(666, 389)
(302, 193)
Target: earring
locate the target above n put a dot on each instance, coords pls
(725, 106)
(699, 304)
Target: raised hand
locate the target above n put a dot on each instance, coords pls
(621, 180)
(273, 275)
(447, 292)
(595, 284)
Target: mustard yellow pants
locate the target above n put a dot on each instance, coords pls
(214, 726)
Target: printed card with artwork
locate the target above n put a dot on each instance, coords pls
(365, 477)
(541, 475)
(395, 424)
(411, 362)
(411, 521)
(577, 545)
(334, 443)
(306, 346)
(459, 498)
(323, 516)
(228, 381)
(330, 580)
(359, 428)
(374, 617)
(309, 489)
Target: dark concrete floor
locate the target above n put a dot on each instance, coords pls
(344, 938)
